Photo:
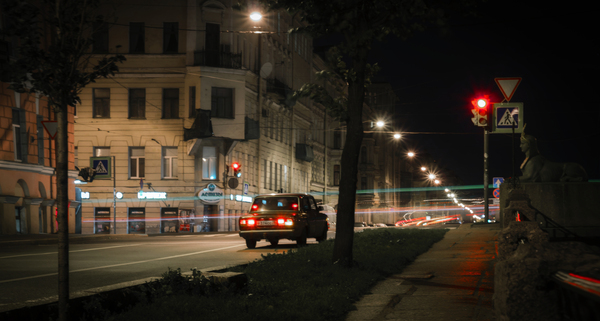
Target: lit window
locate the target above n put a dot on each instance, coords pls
(209, 163)
(137, 162)
(169, 162)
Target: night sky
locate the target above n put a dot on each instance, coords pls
(555, 50)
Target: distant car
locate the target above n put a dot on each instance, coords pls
(283, 216)
(456, 221)
(379, 225)
(360, 224)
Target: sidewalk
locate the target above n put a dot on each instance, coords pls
(454, 280)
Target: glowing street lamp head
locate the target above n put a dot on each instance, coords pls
(431, 176)
(411, 154)
(423, 168)
(397, 136)
(437, 182)
(255, 16)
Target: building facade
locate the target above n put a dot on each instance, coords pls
(203, 87)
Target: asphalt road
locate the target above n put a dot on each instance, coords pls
(28, 272)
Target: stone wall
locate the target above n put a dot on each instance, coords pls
(523, 288)
(575, 206)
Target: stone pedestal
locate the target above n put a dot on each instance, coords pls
(574, 206)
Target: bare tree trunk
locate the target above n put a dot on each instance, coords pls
(62, 191)
(344, 237)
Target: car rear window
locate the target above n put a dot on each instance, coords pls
(275, 203)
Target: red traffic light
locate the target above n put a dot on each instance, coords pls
(481, 111)
(236, 169)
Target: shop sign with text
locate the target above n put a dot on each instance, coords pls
(211, 194)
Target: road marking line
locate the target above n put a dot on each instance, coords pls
(124, 264)
(85, 250)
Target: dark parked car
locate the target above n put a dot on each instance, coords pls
(283, 216)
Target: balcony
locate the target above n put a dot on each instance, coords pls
(220, 59)
(280, 92)
(304, 152)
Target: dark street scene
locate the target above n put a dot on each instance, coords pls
(342, 160)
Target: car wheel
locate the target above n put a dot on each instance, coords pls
(274, 242)
(301, 240)
(251, 244)
(323, 236)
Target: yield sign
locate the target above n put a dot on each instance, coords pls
(51, 127)
(508, 86)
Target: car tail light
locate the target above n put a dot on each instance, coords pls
(242, 222)
(295, 205)
(285, 222)
(254, 207)
(251, 222)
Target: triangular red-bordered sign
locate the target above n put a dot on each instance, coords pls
(508, 86)
(51, 127)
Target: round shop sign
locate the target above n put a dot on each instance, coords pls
(211, 194)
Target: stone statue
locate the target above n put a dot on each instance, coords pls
(536, 168)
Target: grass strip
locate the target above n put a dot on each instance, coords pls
(301, 284)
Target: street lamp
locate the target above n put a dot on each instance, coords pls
(410, 154)
(255, 16)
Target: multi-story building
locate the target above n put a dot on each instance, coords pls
(27, 157)
(203, 87)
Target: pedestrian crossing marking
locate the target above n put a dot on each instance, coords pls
(100, 169)
(507, 119)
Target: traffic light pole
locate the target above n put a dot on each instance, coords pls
(485, 174)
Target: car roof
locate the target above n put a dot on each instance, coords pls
(283, 194)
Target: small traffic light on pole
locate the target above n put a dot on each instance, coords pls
(237, 172)
(482, 115)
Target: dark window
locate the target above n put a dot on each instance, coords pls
(336, 175)
(137, 103)
(212, 44)
(101, 102)
(170, 103)
(222, 102)
(192, 102)
(337, 139)
(170, 37)
(136, 37)
(100, 38)
(276, 203)
(363, 155)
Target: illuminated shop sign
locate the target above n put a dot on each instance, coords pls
(86, 195)
(211, 194)
(241, 198)
(152, 195)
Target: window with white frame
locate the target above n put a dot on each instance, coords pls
(17, 133)
(169, 162)
(137, 162)
(209, 162)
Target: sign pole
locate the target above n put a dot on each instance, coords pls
(114, 195)
(485, 172)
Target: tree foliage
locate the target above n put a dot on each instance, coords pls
(55, 37)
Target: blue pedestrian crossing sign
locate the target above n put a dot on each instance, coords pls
(102, 165)
(497, 181)
(506, 116)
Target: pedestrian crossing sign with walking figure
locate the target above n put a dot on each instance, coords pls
(508, 116)
(102, 165)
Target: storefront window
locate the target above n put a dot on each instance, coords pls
(102, 220)
(169, 220)
(137, 220)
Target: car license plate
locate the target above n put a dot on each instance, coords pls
(265, 223)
